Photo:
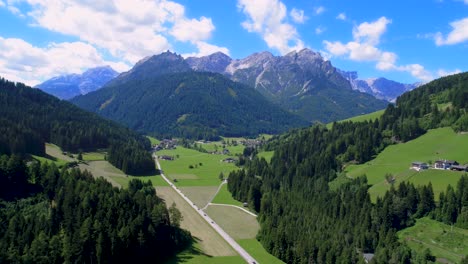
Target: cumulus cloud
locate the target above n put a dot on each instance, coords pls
(267, 18)
(128, 30)
(458, 34)
(364, 47)
(319, 30)
(298, 16)
(319, 10)
(442, 72)
(23, 62)
(342, 16)
(205, 49)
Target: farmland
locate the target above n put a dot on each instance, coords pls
(205, 167)
(445, 242)
(441, 143)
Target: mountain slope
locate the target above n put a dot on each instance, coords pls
(381, 88)
(301, 82)
(69, 86)
(30, 117)
(189, 104)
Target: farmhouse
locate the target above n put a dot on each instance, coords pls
(229, 160)
(165, 157)
(444, 164)
(459, 168)
(417, 165)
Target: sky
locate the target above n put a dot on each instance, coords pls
(406, 41)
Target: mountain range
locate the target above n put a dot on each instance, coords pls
(71, 85)
(300, 82)
(163, 96)
(380, 88)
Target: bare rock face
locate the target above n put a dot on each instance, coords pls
(71, 85)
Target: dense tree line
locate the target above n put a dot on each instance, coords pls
(70, 217)
(304, 221)
(30, 117)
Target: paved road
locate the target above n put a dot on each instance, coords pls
(210, 221)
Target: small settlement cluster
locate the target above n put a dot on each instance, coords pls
(439, 165)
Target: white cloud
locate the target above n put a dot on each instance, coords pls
(267, 18)
(128, 30)
(21, 61)
(371, 32)
(193, 30)
(319, 10)
(366, 38)
(205, 49)
(2, 4)
(342, 16)
(442, 72)
(298, 16)
(458, 34)
(319, 30)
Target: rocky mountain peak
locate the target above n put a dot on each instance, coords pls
(216, 62)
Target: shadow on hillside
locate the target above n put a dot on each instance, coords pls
(189, 253)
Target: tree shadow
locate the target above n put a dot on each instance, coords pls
(189, 253)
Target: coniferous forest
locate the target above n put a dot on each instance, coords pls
(66, 216)
(304, 221)
(30, 117)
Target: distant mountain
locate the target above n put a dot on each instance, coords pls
(300, 82)
(71, 85)
(381, 88)
(186, 103)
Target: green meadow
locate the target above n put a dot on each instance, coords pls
(255, 248)
(225, 197)
(444, 241)
(441, 143)
(194, 168)
(361, 118)
(267, 155)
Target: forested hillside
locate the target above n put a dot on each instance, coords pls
(67, 216)
(30, 117)
(303, 220)
(190, 105)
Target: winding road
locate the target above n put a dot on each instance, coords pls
(244, 254)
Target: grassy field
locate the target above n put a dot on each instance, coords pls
(443, 241)
(237, 223)
(206, 167)
(266, 155)
(93, 156)
(200, 195)
(225, 197)
(153, 140)
(440, 143)
(211, 243)
(257, 251)
(361, 118)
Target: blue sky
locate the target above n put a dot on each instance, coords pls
(407, 41)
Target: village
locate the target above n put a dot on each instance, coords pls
(439, 165)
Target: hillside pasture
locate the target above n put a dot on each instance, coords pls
(441, 143)
(444, 241)
(225, 197)
(361, 118)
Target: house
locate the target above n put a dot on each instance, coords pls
(417, 165)
(444, 164)
(459, 168)
(229, 160)
(165, 157)
(226, 152)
